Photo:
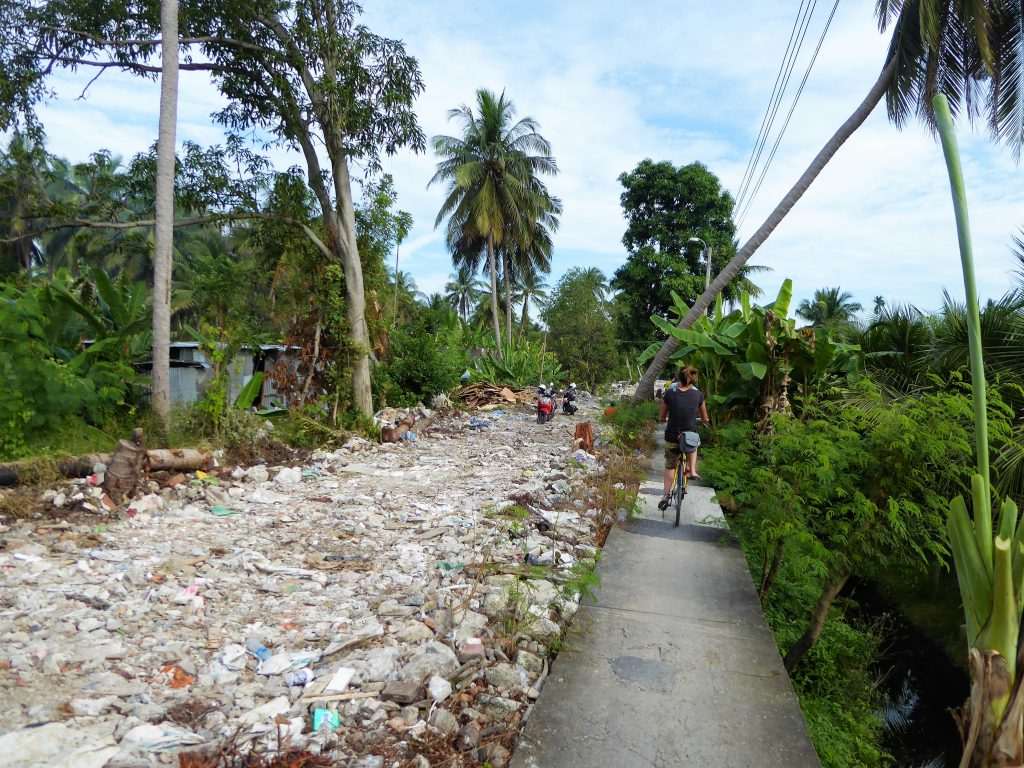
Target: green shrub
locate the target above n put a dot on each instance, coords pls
(50, 382)
(421, 366)
(632, 422)
(233, 428)
(523, 364)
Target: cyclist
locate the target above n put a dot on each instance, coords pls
(682, 405)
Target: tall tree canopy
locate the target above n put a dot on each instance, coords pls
(830, 306)
(580, 329)
(298, 73)
(664, 207)
(495, 196)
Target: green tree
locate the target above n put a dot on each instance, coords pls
(304, 73)
(494, 197)
(462, 291)
(829, 307)
(580, 332)
(531, 288)
(664, 207)
(971, 51)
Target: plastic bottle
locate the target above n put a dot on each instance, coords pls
(298, 677)
(255, 646)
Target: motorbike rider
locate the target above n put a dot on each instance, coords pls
(568, 398)
(545, 403)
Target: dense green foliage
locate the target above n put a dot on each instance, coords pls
(581, 333)
(665, 207)
(847, 491)
(524, 364)
(422, 364)
(850, 475)
(51, 380)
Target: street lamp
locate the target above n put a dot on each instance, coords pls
(707, 255)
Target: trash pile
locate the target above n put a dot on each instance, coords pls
(382, 602)
(483, 394)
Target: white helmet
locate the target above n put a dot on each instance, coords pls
(573, 385)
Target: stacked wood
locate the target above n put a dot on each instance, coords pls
(482, 394)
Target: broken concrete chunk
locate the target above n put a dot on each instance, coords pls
(444, 721)
(432, 658)
(405, 692)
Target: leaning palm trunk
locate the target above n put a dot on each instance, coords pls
(164, 215)
(645, 389)
(989, 570)
(494, 297)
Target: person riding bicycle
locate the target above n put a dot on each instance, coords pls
(682, 405)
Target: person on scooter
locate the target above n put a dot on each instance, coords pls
(568, 399)
(684, 406)
(545, 404)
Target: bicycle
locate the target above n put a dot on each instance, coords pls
(679, 485)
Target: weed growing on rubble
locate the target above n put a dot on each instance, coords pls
(582, 580)
(631, 423)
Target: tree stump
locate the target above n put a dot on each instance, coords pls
(126, 468)
(585, 437)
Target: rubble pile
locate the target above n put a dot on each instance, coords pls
(369, 606)
(483, 394)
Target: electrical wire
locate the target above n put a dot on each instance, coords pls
(789, 58)
(789, 116)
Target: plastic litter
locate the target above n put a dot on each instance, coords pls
(219, 510)
(280, 663)
(339, 683)
(262, 718)
(329, 717)
(256, 648)
(299, 677)
(439, 688)
(157, 738)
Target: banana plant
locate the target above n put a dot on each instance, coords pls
(989, 561)
(750, 353)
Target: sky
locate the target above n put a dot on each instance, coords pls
(611, 84)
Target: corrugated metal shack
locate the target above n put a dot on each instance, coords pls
(192, 370)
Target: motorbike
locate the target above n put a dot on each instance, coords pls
(545, 406)
(568, 404)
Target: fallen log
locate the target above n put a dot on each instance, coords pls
(177, 459)
(161, 459)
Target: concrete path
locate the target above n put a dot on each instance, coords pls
(673, 665)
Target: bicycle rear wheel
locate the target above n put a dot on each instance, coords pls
(680, 490)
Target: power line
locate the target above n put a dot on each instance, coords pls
(789, 115)
(796, 35)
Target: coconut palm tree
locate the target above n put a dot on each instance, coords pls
(531, 288)
(972, 52)
(463, 290)
(830, 306)
(596, 280)
(493, 187)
